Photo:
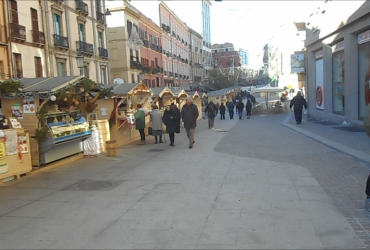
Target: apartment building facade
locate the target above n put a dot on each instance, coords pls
(123, 23)
(5, 65)
(151, 52)
(196, 58)
(224, 55)
(206, 34)
(76, 28)
(175, 43)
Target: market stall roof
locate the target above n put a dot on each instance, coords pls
(48, 84)
(161, 91)
(180, 92)
(204, 95)
(128, 88)
(196, 95)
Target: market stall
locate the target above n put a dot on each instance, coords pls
(120, 108)
(198, 102)
(15, 156)
(55, 111)
(162, 97)
(180, 97)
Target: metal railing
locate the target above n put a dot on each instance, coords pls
(85, 47)
(38, 36)
(61, 41)
(103, 52)
(100, 16)
(81, 6)
(18, 31)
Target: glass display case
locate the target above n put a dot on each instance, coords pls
(63, 127)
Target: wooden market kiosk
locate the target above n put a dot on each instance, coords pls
(180, 97)
(119, 109)
(198, 102)
(162, 97)
(55, 111)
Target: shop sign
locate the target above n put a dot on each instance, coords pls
(337, 47)
(4, 167)
(297, 63)
(319, 54)
(2, 149)
(363, 37)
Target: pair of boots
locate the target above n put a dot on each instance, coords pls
(156, 139)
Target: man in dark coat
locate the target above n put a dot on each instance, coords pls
(240, 107)
(230, 107)
(298, 102)
(222, 111)
(189, 115)
(211, 112)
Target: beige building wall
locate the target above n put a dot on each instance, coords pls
(95, 60)
(122, 12)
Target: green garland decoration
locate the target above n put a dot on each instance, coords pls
(11, 87)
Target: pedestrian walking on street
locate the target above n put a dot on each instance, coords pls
(240, 108)
(140, 123)
(156, 119)
(189, 115)
(211, 112)
(248, 108)
(178, 115)
(222, 111)
(170, 119)
(298, 102)
(230, 107)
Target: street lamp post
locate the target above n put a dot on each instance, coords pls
(141, 76)
(80, 63)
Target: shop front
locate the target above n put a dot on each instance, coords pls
(119, 110)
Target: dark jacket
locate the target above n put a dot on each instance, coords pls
(240, 106)
(298, 102)
(230, 106)
(178, 114)
(248, 106)
(222, 109)
(210, 110)
(170, 119)
(189, 115)
(251, 98)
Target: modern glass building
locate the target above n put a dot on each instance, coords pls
(244, 57)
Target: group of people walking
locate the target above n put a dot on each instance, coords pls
(172, 118)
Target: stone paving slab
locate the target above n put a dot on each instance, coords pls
(176, 199)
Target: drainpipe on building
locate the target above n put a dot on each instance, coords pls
(10, 65)
(106, 45)
(69, 41)
(47, 31)
(95, 43)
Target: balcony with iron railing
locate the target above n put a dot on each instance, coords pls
(170, 74)
(38, 37)
(103, 52)
(61, 41)
(85, 48)
(18, 31)
(146, 43)
(82, 7)
(100, 16)
(176, 75)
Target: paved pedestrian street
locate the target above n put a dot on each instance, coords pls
(249, 184)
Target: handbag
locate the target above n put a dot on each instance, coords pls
(150, 130)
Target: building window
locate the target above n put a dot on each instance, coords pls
(363, 70)
(129, 27)
(86, 70)
(38, 67)
(100, 39)
(57, 25)
(103, 75)
(62, 69)
(98, 5)
(338, 82)
(81, 32)
(14, 11)
(34, 20)
(132, 78)
(18, 65)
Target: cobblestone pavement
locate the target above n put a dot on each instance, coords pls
(342, 177)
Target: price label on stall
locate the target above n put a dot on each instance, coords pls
(2, 149)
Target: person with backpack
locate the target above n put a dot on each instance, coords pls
(211, 112)
(298, 102)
